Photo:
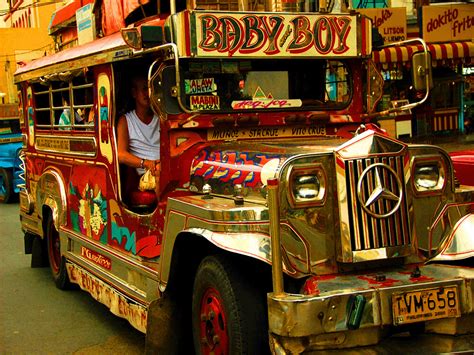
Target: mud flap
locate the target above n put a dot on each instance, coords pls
(39, 253)
(28, 242)
(167, 329)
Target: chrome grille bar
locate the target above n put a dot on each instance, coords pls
(367, 231)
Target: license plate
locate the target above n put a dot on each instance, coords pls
(419, 306)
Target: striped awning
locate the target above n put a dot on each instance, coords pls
(441, 53)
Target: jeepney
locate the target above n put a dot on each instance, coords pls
(286, 220)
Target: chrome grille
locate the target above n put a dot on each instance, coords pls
(367, 231)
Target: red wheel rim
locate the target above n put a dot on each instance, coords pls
(55, 249)
(213, 323)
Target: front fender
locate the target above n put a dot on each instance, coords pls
(459, 244)
(255, 245)
(238, 229)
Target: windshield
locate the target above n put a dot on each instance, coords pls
(240, 85)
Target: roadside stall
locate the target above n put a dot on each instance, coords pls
(468, 99)
(443, 113)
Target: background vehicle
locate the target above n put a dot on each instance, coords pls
(463, 162)
(10, 147)
(267, 176)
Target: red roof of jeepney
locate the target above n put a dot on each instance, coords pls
(101, 45)
(113, 44)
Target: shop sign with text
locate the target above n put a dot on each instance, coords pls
(448, 23)
(391, 22)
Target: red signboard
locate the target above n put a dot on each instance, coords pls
(275, 35)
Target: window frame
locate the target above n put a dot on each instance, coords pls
(53, 89)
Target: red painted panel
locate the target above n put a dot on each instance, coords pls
(463, 162)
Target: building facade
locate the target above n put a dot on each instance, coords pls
(24, 37)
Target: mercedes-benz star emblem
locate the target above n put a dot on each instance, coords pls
(375, 193)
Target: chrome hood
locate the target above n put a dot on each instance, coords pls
(243, 168)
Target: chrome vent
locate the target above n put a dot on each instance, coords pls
(375, 186)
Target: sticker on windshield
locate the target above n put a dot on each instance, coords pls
(266, 103)
(260, 100)
(259, 94)
(199, 86)
(205, 102)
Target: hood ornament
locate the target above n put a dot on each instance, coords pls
(372, 184)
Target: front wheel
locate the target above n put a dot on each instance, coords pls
(57, 263)
(6, 185)
(228, 309)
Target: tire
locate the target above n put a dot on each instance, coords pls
(6, 185)
(57, 262)
(228, 309)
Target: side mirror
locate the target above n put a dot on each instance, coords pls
(163, 91)
(421, 71)
(143, 37)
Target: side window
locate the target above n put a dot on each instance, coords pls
(65, 104)
(83, 101)
(60, 104)
(41, 99)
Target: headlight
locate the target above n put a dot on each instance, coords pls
(428, 175)
(306, 186)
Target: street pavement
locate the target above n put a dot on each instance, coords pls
(38, 318)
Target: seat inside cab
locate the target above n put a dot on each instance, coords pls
(134, 199)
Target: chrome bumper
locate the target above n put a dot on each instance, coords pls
(300, 323)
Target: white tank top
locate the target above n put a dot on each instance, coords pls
(143, 139)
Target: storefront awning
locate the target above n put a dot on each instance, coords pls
(441, 53)
(65, 14)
